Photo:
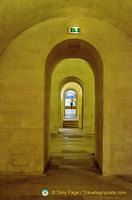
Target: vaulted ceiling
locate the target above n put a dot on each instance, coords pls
(18, 15)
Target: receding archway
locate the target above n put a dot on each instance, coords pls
(76, 48)
(71, 115)
(61, 85)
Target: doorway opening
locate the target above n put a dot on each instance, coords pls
(78, 144)
(70, 117)
(76, 48)
(71, 106)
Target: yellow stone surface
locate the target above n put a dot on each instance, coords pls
(33, 40)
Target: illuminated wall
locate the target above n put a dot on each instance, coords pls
(26, 42)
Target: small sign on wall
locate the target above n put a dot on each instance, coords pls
(74, 30)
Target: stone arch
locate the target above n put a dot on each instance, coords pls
(78, 90)
(71, 79)
(64, 82)
(77, 48)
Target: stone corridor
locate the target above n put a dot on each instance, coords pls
(72, 175)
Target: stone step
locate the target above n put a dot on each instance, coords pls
(70, 124)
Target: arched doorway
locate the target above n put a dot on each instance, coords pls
(71, 106)
(82, 75)
(76, 48)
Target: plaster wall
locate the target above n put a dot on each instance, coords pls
(22, 89)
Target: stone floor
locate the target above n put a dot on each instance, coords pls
(73, 175)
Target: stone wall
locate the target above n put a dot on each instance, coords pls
(22, 86)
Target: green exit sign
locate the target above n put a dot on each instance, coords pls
(75, 30)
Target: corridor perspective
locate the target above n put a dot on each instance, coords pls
(65, 99)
